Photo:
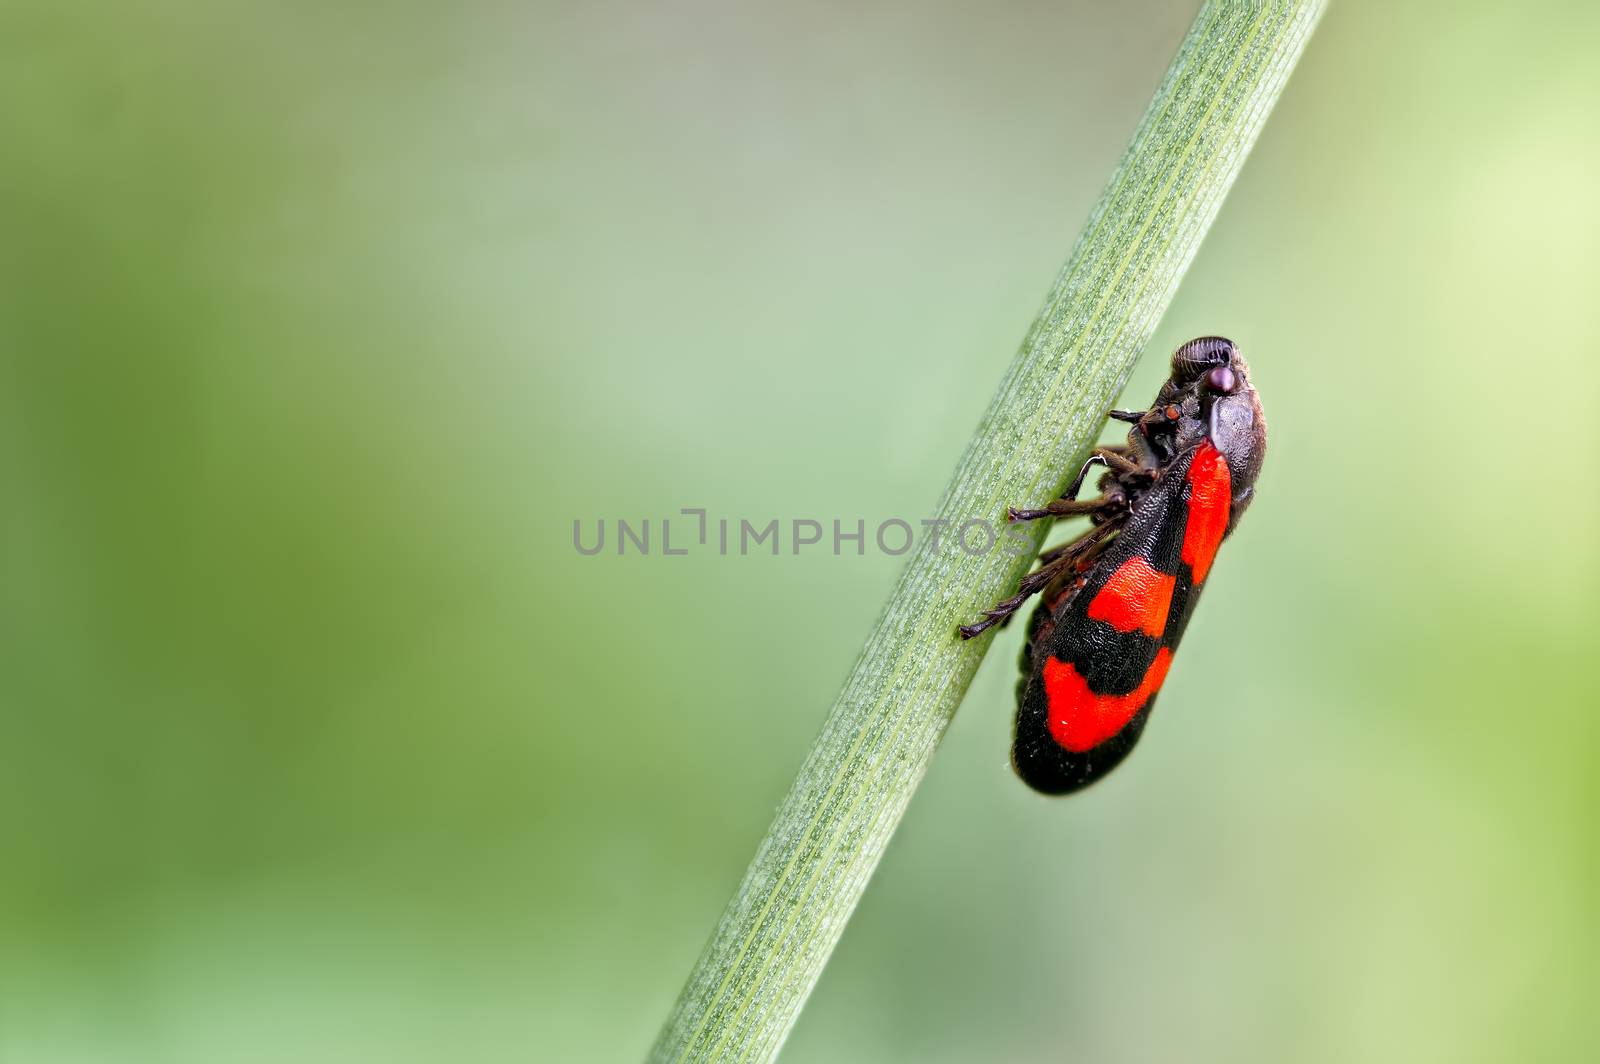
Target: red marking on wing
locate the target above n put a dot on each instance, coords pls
(1135, 598)
(1081, 720)
(1209, 489)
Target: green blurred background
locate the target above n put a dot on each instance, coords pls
(321, 323)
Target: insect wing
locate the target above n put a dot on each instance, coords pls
(1100, 659)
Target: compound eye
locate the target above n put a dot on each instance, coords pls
(1197, 356)
(1222, 379)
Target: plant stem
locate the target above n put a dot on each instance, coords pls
(813, 865)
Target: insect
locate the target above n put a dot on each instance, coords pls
(1115, 601)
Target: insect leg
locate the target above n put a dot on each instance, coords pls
(1087, 546)
(1057, 508)
(1113, 458)
(1057, 563)
(1116, 459)
(1031, 585)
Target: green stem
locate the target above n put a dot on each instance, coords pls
(797, 895)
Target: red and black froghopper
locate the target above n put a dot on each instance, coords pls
(1115, 601)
